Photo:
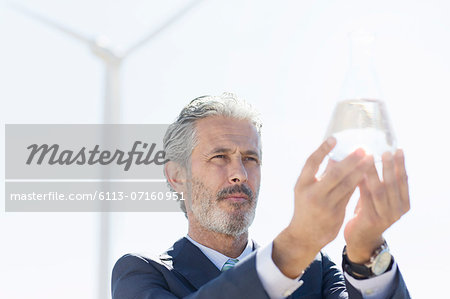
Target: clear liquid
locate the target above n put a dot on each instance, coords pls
(373, 141)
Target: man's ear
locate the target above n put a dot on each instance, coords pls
(176, 176)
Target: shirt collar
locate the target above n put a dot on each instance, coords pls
(217, 258)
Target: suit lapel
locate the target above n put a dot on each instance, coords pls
(255, 245)
(190, 262)
(186, 259)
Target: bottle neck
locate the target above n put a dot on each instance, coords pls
(361, 56)
(361, 81)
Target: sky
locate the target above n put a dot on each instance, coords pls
(287, 58)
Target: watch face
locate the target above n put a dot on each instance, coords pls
(381, 263)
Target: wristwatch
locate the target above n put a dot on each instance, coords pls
(379, 263)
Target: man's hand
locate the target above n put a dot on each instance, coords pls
(319, 208)
(380, 205)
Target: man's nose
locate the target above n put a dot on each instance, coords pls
(238, 173)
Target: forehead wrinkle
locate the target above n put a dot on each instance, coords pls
(218, 150)
(222, 133)
(221, 150)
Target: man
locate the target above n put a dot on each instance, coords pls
(214, 148)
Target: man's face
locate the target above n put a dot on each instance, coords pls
(225, 175)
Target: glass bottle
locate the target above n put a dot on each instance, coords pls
(360, 119)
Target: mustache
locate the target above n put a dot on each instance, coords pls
(235, 189)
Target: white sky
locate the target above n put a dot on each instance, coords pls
(288, 58)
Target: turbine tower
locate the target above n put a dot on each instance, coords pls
(112, 60)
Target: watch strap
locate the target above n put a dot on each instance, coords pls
(362, 271)
(357, 271)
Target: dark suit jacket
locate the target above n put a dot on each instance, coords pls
(185, 272)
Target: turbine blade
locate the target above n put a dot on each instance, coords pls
(169, 22)
(50, 23)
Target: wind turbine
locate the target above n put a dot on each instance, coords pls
(112, 60)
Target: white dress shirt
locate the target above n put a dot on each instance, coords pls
(278, 286)
(216, 257)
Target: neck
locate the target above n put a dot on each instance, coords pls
(231, 246)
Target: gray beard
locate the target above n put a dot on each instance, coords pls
(207, 212)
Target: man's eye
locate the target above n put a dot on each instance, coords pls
(219, 156)
(251, 159)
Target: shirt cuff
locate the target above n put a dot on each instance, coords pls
(276, 284)
(377, 287)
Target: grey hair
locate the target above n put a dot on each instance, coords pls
(180, 138)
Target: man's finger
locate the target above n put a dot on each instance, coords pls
(390, 182)
(377, 191)
(313, 163)
(349, 183)
(402, 179)
(339, 171)
(364, 189)
(331, 163)
(366, 199)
